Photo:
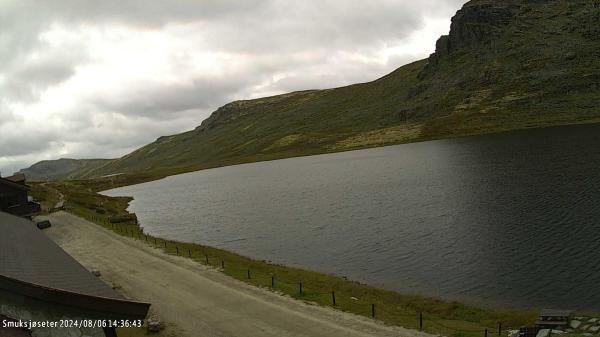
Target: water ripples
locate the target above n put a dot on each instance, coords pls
(508, 219)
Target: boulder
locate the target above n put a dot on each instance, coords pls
(575, 324)
(543, 333)
(154, 326)
(96, 273)
(594, 328)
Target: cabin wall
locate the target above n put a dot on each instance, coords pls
(11, 196)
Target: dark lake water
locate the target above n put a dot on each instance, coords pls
(510, 219)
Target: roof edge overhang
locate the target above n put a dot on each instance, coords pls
(13, 184)
(100, 307)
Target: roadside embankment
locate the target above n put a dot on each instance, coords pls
(198, 300)
(440, 317)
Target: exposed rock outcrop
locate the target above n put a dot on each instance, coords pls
(478, 22)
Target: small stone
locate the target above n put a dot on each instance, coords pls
(585, 327)
(595, 328)
(569, 330)
(557, 331)
(592, 320)
(354, 298)
(513, 333)
(96, 273)
(575, 324)
(154, 326)
(587, 334)
(543, 333)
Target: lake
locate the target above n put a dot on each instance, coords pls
(510, 219)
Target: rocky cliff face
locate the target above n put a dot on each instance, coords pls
(478, 22)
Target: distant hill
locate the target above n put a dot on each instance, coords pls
(62, 169)
(504, 65)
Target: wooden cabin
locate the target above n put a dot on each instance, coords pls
(14, 198)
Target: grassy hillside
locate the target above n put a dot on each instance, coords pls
(61, 169)
(505, 65)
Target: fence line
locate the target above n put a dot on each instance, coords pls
(272, 281)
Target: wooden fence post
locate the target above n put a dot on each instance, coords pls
(333, 297)
(248, 273)
(300, 284)
(373, 310)
(272, 281)
(420, 321)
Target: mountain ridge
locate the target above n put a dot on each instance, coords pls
(504, 65)
(63, 168)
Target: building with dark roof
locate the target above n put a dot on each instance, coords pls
(41, 282)
(18, 178)
(14, 197)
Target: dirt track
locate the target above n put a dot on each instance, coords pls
(198, 301)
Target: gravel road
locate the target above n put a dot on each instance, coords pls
(196, 300)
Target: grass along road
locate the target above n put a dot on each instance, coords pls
(196, 300)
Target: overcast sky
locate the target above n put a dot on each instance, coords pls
(97, 79)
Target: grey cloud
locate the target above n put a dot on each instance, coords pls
(326, 24)
(15, 142)
(6, 114)
(116, 138)
(161, 101)
(26, 80)
(286, 45)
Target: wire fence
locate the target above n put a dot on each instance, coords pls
(308, 292)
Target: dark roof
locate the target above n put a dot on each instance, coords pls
(13, 184)
(16, 178)
(36, 264)
(28, 255)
